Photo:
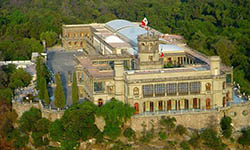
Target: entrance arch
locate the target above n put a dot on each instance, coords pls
(136, 105)
(186, 105)
(169, 105)
(208, 103)
(151, 106)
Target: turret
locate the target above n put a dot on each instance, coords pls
(215, 65)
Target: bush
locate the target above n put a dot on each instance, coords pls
(226, 127)
(129, 133)
(180, 129)
(162, 135)
(244, 139)
(184, 145)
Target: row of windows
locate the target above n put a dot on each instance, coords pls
(76, 43)
(69, 35)
(170, 89)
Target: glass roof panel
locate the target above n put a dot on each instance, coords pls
(118, 24)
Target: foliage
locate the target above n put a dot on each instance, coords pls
(162, 135)
(19, 78)
(211, 139)
(41, 129)
(115, 113)
(59, 93)
(74, 90)
(195, 140)
(119, 145)
(49, 37)
(168, 123)
(184, 145)
(244, 139)
(226, 127)
(180, 129)
(77, 124)
(41, 92)
(28, 119)
(46, 94)
(6, 95)
(129, 133)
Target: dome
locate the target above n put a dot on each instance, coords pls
(113, 39)
(118, 24)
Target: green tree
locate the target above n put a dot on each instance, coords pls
(180, 129)
(226, 127)
(46, 94)
(59, 93)
(129, 133)
(74, 90)
(168, 123)
(19, 78)
(115, 113)
(28, 120)
(6, 95)
(244, 139)
(50, 37)
(42, 88)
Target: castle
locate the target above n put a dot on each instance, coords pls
(151, 71)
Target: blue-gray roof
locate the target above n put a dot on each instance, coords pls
(131, 33)
(118, 24)
(169, 48)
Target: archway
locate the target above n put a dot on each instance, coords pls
(208, 103)
(224, 101)
(186, 105)
(169, 105)
(195, 103)
(100, 102)
(160, 105)
(151, 106)
(136, 105)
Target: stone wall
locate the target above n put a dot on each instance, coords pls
(240, 115)
(46, 112)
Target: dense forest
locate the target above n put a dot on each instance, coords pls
(212, 27)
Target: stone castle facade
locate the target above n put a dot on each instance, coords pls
(151, 71)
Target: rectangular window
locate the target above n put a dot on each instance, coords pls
(195, 87)
(99, 86)
(147, 90)
(183, 88)
(171, 89)
(160, 90)
(228, 78)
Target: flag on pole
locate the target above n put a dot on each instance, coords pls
(144, 22)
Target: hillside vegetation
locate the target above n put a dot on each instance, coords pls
(212, 27)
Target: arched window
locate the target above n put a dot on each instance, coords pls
(76, 43)
(208, 103)
(75, 34)
(81, 34)
(136, 91)
(81, 44)
(100, 102)
(69, 35)
(70, 44)
(208, 86)
(136, 105)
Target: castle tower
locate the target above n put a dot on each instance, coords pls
(119, 80)
(148, 52)
(215, 65)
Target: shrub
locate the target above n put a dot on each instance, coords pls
(180, 129)
(129, 133)
(244, 139)
(184, 145)
(226, 127)
(162, 135)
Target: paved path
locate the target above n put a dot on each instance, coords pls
(62, 62)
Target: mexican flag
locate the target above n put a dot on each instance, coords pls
(144, 22)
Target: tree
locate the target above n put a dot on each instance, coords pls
(28, 120)
(168, 123)
(46, 94)
(6, 95)
(226, 127)
(115, 114)
(49, 37)
(129, 133)
(74, 90)
(42, 88)
(19, 78)
(180, 129)
(244, 139)
(59, 93)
